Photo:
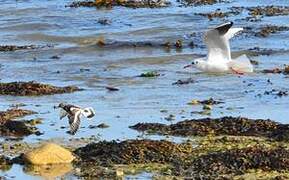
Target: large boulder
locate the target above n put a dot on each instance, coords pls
(48, 154)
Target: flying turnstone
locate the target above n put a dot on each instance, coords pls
(74, 114)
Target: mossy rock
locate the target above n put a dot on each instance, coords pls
(48, 154)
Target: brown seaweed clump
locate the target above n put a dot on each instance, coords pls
(5, 163)
(14, 48)
(220, 14)
(284, 70)
(214, 158)
(13, 113)
(226, 165)
(109, 154)
(209, 101)
(266, 31)
(6, 48)
(125, 3)
(32, 88)
(215, 14)
(269, 11)
(10, 127)
(199, 2)
(132, 151)
(237, 126)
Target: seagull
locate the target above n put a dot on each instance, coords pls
(74, 114)
(219, 59)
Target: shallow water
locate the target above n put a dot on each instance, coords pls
(74, 33)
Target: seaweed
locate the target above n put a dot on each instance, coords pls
(236, 162)
(125, 3)
(199, 2)
(33, 88)
(269, 29)
(237, 126)
(10, 127)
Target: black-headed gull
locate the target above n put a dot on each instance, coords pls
(74, 114)
(219, 59)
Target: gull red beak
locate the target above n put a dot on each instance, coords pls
(187, 66)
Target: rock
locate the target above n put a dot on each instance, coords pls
(48, 154)
(102, 125)
(185, 81)
(111, 88)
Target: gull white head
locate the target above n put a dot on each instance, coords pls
(199, 63)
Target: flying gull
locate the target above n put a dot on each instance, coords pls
(219, 59)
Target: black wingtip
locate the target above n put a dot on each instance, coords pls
(224, 28)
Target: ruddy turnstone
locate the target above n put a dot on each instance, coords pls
(74, 114)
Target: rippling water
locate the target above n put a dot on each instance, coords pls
(74, 33)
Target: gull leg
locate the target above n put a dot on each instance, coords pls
(236, 72)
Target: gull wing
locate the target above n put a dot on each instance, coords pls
(74, 121)
(232, 32)
(217, 41)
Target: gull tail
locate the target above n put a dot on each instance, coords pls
(241, 64)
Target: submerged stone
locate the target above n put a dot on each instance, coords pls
(184, 81)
